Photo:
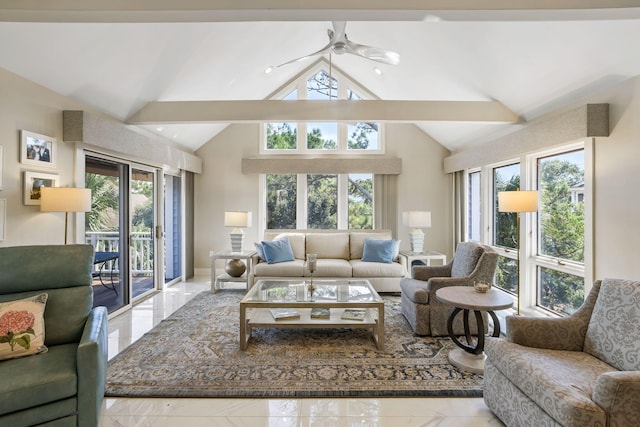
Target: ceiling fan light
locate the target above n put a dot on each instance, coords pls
(339, 48)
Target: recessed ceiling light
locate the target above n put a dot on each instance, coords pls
(377, 70)
(159, 128)
(268, 69)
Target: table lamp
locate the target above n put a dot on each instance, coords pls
(417, 220)
(518, 202)
(65, 199)
(238, 220)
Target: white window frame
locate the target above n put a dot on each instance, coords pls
(344, 85)
(529, 259)
(301, 201)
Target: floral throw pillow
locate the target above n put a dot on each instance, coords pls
(22, 327)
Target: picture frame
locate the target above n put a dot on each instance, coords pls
(38, 150)
(33, 181)
(3, 218)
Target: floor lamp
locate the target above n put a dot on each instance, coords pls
(65, 199)
(518, 202)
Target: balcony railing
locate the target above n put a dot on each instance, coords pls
(141, 249)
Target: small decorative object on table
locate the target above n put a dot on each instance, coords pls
(312, 260)
(481, 287)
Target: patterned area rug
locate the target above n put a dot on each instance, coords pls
(195, 353)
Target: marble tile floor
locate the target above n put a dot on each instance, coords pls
(353, 412)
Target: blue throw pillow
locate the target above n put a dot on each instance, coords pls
(277, 251)
(378, 250)
(260, 251)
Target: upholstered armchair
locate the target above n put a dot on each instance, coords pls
(46, 308)
(472, 262)
(582, 370)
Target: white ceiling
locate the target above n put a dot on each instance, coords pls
(532, 62)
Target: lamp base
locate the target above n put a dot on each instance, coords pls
(235, 268)
(417, 241)
(236, 240)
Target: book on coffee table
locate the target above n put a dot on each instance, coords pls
(354, 314)
(284, 313)
(320, 313)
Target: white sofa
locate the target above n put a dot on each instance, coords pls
(339, 256)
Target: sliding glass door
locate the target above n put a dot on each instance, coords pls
(121, 226)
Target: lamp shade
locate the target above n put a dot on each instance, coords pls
(65, 199)
(416, 219)
(237, 219)
(518, 201)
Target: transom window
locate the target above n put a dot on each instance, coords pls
(323, 137)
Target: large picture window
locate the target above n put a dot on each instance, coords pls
(319, 201)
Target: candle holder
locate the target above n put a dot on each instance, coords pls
(312, 260)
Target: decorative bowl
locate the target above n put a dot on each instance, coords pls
(481, 287)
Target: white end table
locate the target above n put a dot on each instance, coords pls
(427, 257)
(217, 279)
(464, 298)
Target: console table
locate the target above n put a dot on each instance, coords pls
(471, 357)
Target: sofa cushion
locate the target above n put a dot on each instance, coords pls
(356, 241)
(376, 269)
(260, 251)
(35, 381)
(560, 382)
(297, 241)
(378, 251)
(466, 258)
(613, 335)
(277, 251)
(282, 269)
(331, 268)
(328, 245)
(22, 327)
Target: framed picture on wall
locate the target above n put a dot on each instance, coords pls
(33, 182)
(1, 165)
(38, 150)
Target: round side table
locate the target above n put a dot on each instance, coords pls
(471, 357)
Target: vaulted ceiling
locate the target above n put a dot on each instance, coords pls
(119, 56)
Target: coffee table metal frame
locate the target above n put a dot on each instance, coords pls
(336, 295)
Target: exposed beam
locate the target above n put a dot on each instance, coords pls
(296, 10)
(182, 112)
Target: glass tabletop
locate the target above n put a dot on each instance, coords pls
(324, 291)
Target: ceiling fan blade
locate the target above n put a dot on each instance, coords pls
(322, 51)
(373, 53)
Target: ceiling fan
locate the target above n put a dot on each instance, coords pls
(339, 44)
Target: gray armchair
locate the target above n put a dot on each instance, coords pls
(582, 370)
(472, 262)
(65, 385)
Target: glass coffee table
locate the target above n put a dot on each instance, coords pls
(269, 298)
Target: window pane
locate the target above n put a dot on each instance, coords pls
(360, 201)
(322, 136)
(318, 86)
(363, 136)
(283, 136)
(507, 275)
(281, 201)
(473, 213)
(322, 201)
(561, 183)
(559, 292)
(505, 178)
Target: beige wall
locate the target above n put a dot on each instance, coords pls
(617, 186)
(25, 105)
(422, 186)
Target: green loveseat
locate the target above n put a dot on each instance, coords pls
(65, 385)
